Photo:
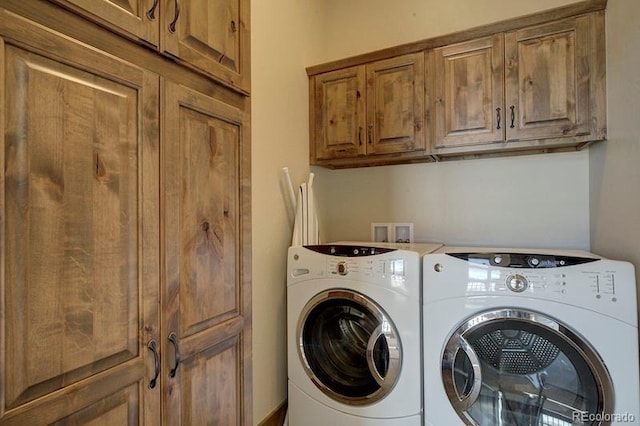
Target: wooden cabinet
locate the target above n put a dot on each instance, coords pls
(206, 289)
(469, 97)
(125, 237)
(79, 239)
(538, 86)
(211, 36)
(371, 114)
(533, 84)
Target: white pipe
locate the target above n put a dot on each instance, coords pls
(292, 195)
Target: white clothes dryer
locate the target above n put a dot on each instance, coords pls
(354, 334)
(522, 337)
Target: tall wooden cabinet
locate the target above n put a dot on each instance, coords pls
(80, 219)
(211, 36)
(205, 287)
(124, 232)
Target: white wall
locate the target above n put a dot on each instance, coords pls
(286, 36)
(535, 201)
(615, 165)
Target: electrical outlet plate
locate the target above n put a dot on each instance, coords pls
(383, 232)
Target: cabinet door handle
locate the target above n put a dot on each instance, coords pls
(498, 116)
(153, 347)
(513, 115)
(151, 13)
(360, 135)
(173, 338)
(369, 136)
(172, 25)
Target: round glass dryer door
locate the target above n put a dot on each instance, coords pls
(349, 347)
(515, 367)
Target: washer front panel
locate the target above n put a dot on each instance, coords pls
(515, 366)
(483, 322)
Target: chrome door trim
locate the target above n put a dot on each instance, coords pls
(385, 329)
(573, 339)
(454, 345)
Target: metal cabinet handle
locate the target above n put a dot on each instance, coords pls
(173, 338)
(513, 115)
(153, 347)
(498, 116)
(172, 25)
(369, 131)
(151, 13)
(360, 135)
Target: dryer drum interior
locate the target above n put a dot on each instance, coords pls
(349, 347)
(516, 367)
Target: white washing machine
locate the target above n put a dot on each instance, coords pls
(521, 337)
(354, 334)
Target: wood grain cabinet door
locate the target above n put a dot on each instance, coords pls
(211, 36)
(79, 248)
(395, 105)
(338, 114)
(206, 289)
(548, 78)
(135, 19)
(469, 92)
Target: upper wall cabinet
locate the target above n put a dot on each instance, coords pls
(369, 114)
(540, 86)
(210, 36)
(527, 85)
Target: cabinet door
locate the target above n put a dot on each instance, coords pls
(210, 35)
(469, 93)
(136, 19)
(206, 281)
(548, 80)
(395, 105)
(338, 114)
(79, 290)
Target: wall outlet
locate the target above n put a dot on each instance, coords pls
(392, 232)
(381, 232)
(403, 232)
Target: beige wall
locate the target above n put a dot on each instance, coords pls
(614, 166)
(359, 26)
(285, 38)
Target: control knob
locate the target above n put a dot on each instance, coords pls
(517, 283)
(342, 268)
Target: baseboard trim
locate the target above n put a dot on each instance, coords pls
(276, 417)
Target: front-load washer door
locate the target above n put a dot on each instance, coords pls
(349, 347)
(517, 367)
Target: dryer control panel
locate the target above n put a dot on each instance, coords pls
(395, 269)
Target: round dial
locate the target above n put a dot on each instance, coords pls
(342, 268)
(517, 283)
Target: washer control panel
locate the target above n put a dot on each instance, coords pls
(602, 285)
(547, 276)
